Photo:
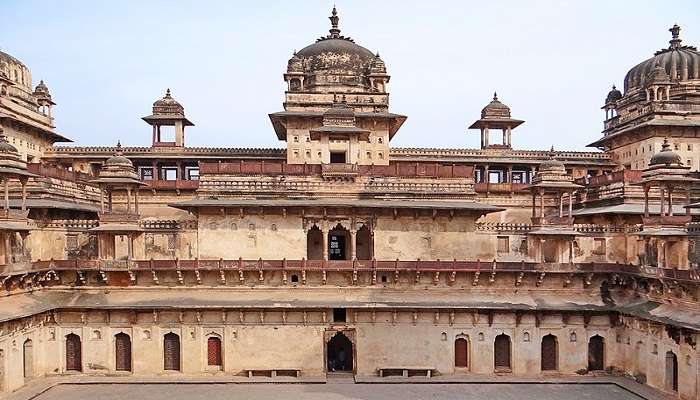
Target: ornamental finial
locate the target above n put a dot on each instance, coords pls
(495, 96)
(335, 32)
(675, 36)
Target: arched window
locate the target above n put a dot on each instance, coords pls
(28, 356)
(171, 352)
(461, 353)
(122, 351)
(596, 353)
(671, 371)
(549, 353)
(501, 352)
(214, 358)
(73, 353)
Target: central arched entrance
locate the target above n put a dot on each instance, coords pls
(339, 353)
(596, 353)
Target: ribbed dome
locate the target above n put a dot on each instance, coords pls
(666, 156)
(15, 70)
(681, 63)
(167, 106)
(335, 60)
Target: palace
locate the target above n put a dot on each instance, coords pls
(313, 258)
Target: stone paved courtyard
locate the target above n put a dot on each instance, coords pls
(333, 391)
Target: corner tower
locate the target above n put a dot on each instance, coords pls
(336, 73)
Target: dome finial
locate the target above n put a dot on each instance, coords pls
(675, 36)
(167, 92)
(335, 32)
(495, 96)
(665, 146)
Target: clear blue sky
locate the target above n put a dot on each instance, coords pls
(552, 62)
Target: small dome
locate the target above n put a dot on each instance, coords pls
(680, 63)
(295, 64)
(377, 66)
(167, 105)
(666, 156)
(495, 109)
(613, 95)
(552, 165)
(42, 89)
(118, 160)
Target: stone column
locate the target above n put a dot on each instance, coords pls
(532, 174)
(136, 200)
(571, 204)
(154, 166)
(23, 181)
(324, 233)
(670, 201)
(646, 200)
(663, 195)
(7, 194)
(534, 204)
(353, 244)
(687, 199)
(128, 200)
(130, 246)
(109, 199)
(486, 174)
(542, 204)
(561, 205)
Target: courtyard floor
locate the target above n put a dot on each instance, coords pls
(339, 391)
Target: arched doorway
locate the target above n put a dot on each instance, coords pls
(640, 362)
(314, 244)
(549, 353)
(461, 353)
(363, 240)
(122, 351)
(596, 353)
(338, 243)
(214, 358)
(171, 352)
(28, 358)
(73, 353)
(501, 352)
(671, 371)
(339, 353)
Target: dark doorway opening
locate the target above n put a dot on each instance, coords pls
(339, 353)
(339, 315)
(461, 353)
(502, 352)
(73, 353)
(671, 371)
(314, 244)
(337, 157)
(171, 352)
(596, 353)
(122, 343)
(549, 353)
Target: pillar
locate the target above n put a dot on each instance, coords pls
(353, 244)
(109, 199)
(534, 204)
(128, 200)
(130, 246)
(136, 200)
(663, 195)
(24, 193)
(486, 174)
(571, 204)
(154, 166)
(646, 200)
(509, 174)
(687, 200)
(542, 204)
(532, 174)
(561, 204)
(6, 182)
(670, 201)
(324, 233)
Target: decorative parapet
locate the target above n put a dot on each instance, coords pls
(87, 224)
(76, 224)
(505, 227)
(167, 225)
(500, 153)
(108, 151)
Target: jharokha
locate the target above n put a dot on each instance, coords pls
(316, 257)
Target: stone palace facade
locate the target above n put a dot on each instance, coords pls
(314, 258)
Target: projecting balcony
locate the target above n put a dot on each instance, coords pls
(339, 171)
(666, 220)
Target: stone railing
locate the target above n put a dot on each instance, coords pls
(58, 173)
(394, 169)
(78, 224)
(505, 227)
(534, 154)
(624, 176)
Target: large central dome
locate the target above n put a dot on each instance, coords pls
(681, 63)
(335, 63)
